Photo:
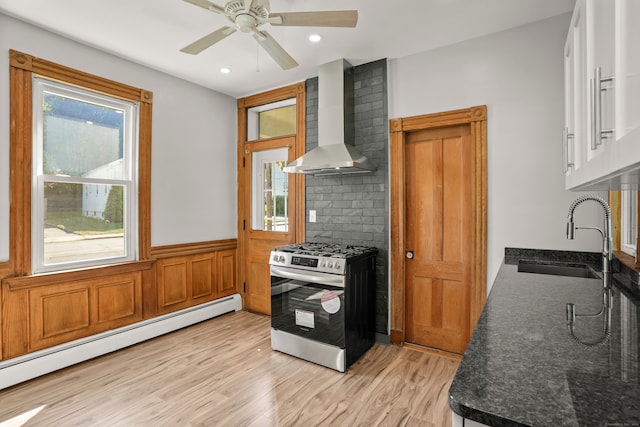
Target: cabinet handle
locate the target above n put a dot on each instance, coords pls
(598, 88)
(567, 157)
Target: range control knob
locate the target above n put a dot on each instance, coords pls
(338, 266)
(329, 264)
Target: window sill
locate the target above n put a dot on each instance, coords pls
(627, 260)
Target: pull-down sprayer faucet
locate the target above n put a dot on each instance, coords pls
(607, 255)
(607, 239)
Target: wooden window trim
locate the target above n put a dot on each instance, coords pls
(22, 67)
(615, 202)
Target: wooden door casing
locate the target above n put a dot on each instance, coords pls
(254, 246)
(438, 203)
(476, 120)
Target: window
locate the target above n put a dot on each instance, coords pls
(271, 120)
(84, 177)
(629, 221)
(80, 156)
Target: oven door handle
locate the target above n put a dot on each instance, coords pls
(320, 278)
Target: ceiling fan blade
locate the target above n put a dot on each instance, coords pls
(284, 60)
(208, 40)
(207, 5)
(333, 18)
(247, 5)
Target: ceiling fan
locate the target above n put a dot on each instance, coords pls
(249, 15)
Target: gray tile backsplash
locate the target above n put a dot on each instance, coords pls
(354, 209)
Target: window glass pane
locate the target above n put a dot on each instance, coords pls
(270, 190)
(278, 122)
(629, 221)
(84, 210)
(83, 222)
(271, 120)
(632, 231)
(81, 138)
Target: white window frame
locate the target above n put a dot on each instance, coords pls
(627, 208)
(129, 180)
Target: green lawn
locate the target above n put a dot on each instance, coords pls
(76, 223)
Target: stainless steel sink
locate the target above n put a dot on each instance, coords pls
(557, 269)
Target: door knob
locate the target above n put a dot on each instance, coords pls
(409, 254)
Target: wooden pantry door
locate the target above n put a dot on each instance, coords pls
(438, 166)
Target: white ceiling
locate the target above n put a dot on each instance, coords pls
(152, 32)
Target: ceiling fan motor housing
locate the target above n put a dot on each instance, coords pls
(246, 21)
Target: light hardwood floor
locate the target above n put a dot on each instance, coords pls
(222, 372)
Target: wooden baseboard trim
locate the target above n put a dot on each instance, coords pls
(396, 337)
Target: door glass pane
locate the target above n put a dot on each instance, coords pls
(82, 222)
(271, 120)
(270, 190)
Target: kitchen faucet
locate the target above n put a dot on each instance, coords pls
(607, 239)
(607, 255)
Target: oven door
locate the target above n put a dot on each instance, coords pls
(308, 304)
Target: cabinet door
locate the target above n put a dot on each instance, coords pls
(627, 67)
(576, 139)
(601, 42)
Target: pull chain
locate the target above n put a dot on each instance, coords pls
(257, 57)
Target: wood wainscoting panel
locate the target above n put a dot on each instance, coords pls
(50, 309)
(203, 276)
(187, 280)
(227, 283)
(172, 283)
(116, 300)
(62, 312)
(69, 311)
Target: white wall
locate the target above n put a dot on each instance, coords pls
(193, 194)
(518, 74)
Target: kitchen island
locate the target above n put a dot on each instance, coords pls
(522, 366)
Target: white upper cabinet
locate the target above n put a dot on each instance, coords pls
(601, 139)
(627, 63)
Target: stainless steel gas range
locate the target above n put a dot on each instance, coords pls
(323, 302)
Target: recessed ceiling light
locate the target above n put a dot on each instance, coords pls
(315, 38)
(225, 70)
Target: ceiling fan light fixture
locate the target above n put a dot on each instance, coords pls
(245, 22)
(315, 38)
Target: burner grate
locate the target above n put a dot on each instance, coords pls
(327, 250)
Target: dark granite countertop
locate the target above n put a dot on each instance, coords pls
(523, 368)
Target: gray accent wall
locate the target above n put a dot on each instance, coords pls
(354, 209)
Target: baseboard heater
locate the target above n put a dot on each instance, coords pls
(32, 365)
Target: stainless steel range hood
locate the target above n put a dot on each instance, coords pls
(334, 154)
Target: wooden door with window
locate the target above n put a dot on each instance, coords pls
(438, 221)
(268, 222)
(270, 203)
